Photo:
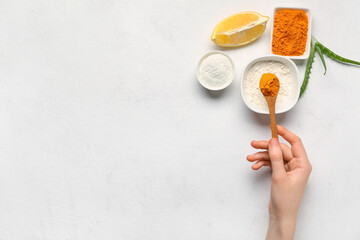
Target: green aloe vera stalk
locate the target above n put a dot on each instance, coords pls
(316, 46)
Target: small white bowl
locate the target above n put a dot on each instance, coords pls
(204, 83)
(308, 42)
(291, 100)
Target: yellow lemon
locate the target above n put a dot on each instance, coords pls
(239, 29)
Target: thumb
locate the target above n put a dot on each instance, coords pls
(276, 157)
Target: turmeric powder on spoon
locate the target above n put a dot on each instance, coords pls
(269, 84)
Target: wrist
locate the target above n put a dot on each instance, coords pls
(284, 218)
(281, 228)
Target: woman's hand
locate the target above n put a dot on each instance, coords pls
(290, 172)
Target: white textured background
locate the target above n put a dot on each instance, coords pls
(106, 134)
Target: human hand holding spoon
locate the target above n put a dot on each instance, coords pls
(269, 86)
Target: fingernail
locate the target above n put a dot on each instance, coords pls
(274, 142)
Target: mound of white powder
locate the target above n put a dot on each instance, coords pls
(251, 82)
(216, 71)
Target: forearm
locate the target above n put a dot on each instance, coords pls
(281, 229)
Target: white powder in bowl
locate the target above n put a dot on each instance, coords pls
(215, 71)
(251, 82)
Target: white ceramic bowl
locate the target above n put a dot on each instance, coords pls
(308, 42)
(204, 83)
(290, 100)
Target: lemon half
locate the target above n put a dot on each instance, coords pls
(239, 29)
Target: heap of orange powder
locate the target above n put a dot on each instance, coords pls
(269, 84)
(290, 32)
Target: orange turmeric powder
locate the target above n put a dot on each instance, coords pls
(269, 84)
(290, 32)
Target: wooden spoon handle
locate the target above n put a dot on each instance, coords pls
(274, 132)
(271, 103)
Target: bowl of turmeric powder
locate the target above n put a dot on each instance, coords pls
(291, 33)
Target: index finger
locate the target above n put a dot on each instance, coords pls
(297, 147)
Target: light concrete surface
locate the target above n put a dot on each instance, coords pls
(105, 132)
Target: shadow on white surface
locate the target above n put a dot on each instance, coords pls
(299, 62)
(264, 119)
(213, 94)
(261, 177)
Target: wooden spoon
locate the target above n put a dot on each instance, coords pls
(269, 86)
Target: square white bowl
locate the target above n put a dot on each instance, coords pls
(308, 41)
(292, 100)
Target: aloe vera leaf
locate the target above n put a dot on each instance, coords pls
(318, 49)
(316, 46)
(336, 57)
(308, 66)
